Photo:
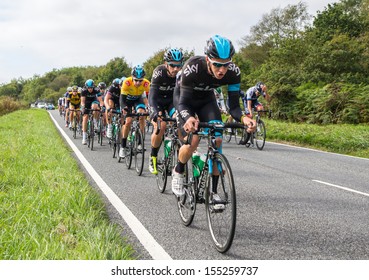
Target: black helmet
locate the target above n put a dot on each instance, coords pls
(102, 85)
(138, 72)
(259, 86)
(173, 55)
(219, 47)
(117, 82)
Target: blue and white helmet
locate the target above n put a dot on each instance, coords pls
(138, 72)
(219, 47)
(90, 83)
(173, 55)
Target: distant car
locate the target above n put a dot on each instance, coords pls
(41, 105)
(50, 106)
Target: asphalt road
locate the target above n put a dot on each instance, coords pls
(292, 204)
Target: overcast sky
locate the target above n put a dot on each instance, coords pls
(38, 36)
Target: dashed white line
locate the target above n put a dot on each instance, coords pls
(342, 188)
(147, 240)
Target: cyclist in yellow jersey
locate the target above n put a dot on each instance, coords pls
(134, 92)
(74, 100)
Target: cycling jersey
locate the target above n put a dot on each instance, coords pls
(252, 94)
(114, 93)
(74, 99)
(194, 91)
(161, 91)
(131, 92)
(90, 97)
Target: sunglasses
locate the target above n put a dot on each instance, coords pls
(219, 64)
(90, 87)
(175, 65)
(137, 80)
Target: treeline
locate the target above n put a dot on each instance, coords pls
(316, 68)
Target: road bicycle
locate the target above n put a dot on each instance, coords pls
(237, 133)
(91, 128)
(76, 122)
(259, 135)
(168, 154)
(115, 140)
(135, 148)
(200, 187)
(101, 131)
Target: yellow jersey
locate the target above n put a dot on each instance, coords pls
(74, 99)
(131, 91)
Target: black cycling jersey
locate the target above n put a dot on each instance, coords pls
(114, 93)
(194, 91)
(161, 90)
(90, 97)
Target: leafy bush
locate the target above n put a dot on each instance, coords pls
(8, 105)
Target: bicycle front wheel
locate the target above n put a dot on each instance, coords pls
(260, 135)
(129, 150)
(187, 202)
(221, 214)
(161, 166)
(139, 152)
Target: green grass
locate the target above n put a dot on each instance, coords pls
(339, 138)
(48, 210)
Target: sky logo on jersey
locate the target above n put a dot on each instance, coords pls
(234, 68)
(191, 69)
(158, 73)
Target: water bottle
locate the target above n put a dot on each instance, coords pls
(167, 145)
(198, 160)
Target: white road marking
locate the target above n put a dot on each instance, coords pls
(342, 188)
(147, 240)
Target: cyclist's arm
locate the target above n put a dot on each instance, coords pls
(234, 105)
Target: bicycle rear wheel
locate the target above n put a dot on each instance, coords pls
(100, 131)
(221, 222)
(187, 202)
(139, 152)
(92, 135)
(260, 135)
(228, 132)
(74, 127)
(239, 134)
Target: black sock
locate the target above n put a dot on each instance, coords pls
(180, 167)
(154, 151)
(215, 183)
(124, 142)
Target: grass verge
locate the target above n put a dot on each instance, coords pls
(338, 138)
(48, 210)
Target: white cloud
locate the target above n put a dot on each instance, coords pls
(38, 35)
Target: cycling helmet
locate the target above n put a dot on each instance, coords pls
(90, 83)
(219, 47)
(117, 82)
(69, 89)
(259, 87)
(74, 88)
(102, 85)
(138, 72)
(173, 55)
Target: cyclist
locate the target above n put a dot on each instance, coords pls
(61, 104)
(200, 75)
(102, 88)
(134, 91)
(250, 102)
(161, 98)
(90, 99)
(111, 101)
(74, 99)
(66, 103)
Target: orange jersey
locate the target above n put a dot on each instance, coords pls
(133, 92)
